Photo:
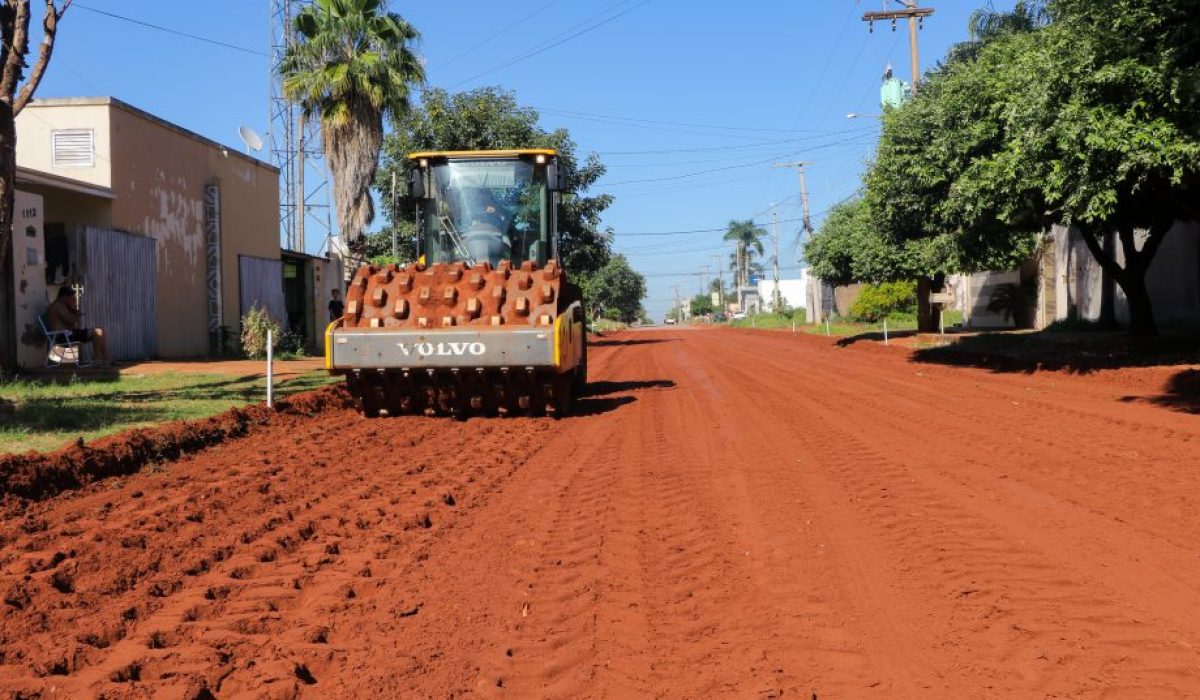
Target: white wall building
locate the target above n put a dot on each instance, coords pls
(792, 291)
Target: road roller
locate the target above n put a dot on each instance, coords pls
(485, 321)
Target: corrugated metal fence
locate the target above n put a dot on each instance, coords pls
(118, 291)
(262, 285)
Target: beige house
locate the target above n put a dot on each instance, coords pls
(169, 236)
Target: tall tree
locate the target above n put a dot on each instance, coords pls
(616, 291)
(352, 64)
(1092, 120)
(15, 93)
(490, 118)
(748, 241)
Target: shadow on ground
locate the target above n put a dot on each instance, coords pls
(1078, 353)
(600, 396)
(877, 336)
(604, 342)
(606, 388)
(1182, 393)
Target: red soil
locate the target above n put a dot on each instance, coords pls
(732, 515)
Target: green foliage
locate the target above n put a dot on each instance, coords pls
(849, 247)
(255, 324)
(748, 238)
(491, 118)
(352, 64)
(1015, 301)
(1092, 119)
(701, 305)
(880, 301)
(615, 291)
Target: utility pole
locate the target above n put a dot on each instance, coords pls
(704, 280)
(916, 19)
(775, 295)
(720, 283)
(799, 166)
(395, 248)
(678, 306)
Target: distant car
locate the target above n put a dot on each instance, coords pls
(669, 321)
(739, 314)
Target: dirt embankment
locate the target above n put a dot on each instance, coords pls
(730, 515)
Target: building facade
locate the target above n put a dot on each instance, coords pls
(167, 235)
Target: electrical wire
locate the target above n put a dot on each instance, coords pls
(168, 30)
(496, 35)
(543, 47)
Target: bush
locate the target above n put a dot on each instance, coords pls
(880, 301)
(255, 325)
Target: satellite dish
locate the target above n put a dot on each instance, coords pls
(250, 138)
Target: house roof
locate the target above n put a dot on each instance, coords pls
(29, 176)
(114, 102)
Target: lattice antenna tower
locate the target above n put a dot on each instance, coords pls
(295, 144)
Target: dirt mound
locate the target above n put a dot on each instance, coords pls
(35, 476)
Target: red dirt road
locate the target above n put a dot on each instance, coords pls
(735, 515)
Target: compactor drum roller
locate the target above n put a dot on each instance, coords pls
(485, 321)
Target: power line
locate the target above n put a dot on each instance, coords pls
(721, 169)
(541, 48)
(612, 118)
(497, 35)
(168, 30)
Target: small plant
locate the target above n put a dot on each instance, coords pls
(1015, 301)
(880, 301)
(255, 325)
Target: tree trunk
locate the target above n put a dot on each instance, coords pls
(8, 176)
(1141, 311)
(1131, 277)
(1108, 286)
(925, 322)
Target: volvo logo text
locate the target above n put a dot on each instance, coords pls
(442, 349)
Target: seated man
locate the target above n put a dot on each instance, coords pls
(63, 315)
(485, 236)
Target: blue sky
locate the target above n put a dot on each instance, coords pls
(688, 103)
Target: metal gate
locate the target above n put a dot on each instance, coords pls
(261, 283)
(118, 276)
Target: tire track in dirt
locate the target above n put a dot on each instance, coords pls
(176, 609)
(1061, 488)
(974, 558)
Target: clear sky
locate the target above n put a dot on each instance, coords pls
(688, 103)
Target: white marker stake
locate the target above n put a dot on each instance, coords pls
(826, 326)
(885, 338)
(270, 371)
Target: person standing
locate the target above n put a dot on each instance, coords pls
(336, 307)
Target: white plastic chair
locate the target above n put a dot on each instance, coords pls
(60, 349)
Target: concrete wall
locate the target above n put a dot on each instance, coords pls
(1173, 279)
(975, 293)
(159, 180)
(40, 118)
(793, 291)
(30, 279)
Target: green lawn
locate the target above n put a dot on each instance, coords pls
(840, 328)
(49, 414)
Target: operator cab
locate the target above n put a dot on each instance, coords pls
(485, 206)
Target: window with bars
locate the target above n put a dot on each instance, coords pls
(73, 148)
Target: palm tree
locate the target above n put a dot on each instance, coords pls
(748, 237)
(352, 64)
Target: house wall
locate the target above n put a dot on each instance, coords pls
(1173, 279)
(976, 294)
(30, 278)
(159, 181)
(158, 173)
(39, 119)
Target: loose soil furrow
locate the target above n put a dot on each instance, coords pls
(729, 514)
